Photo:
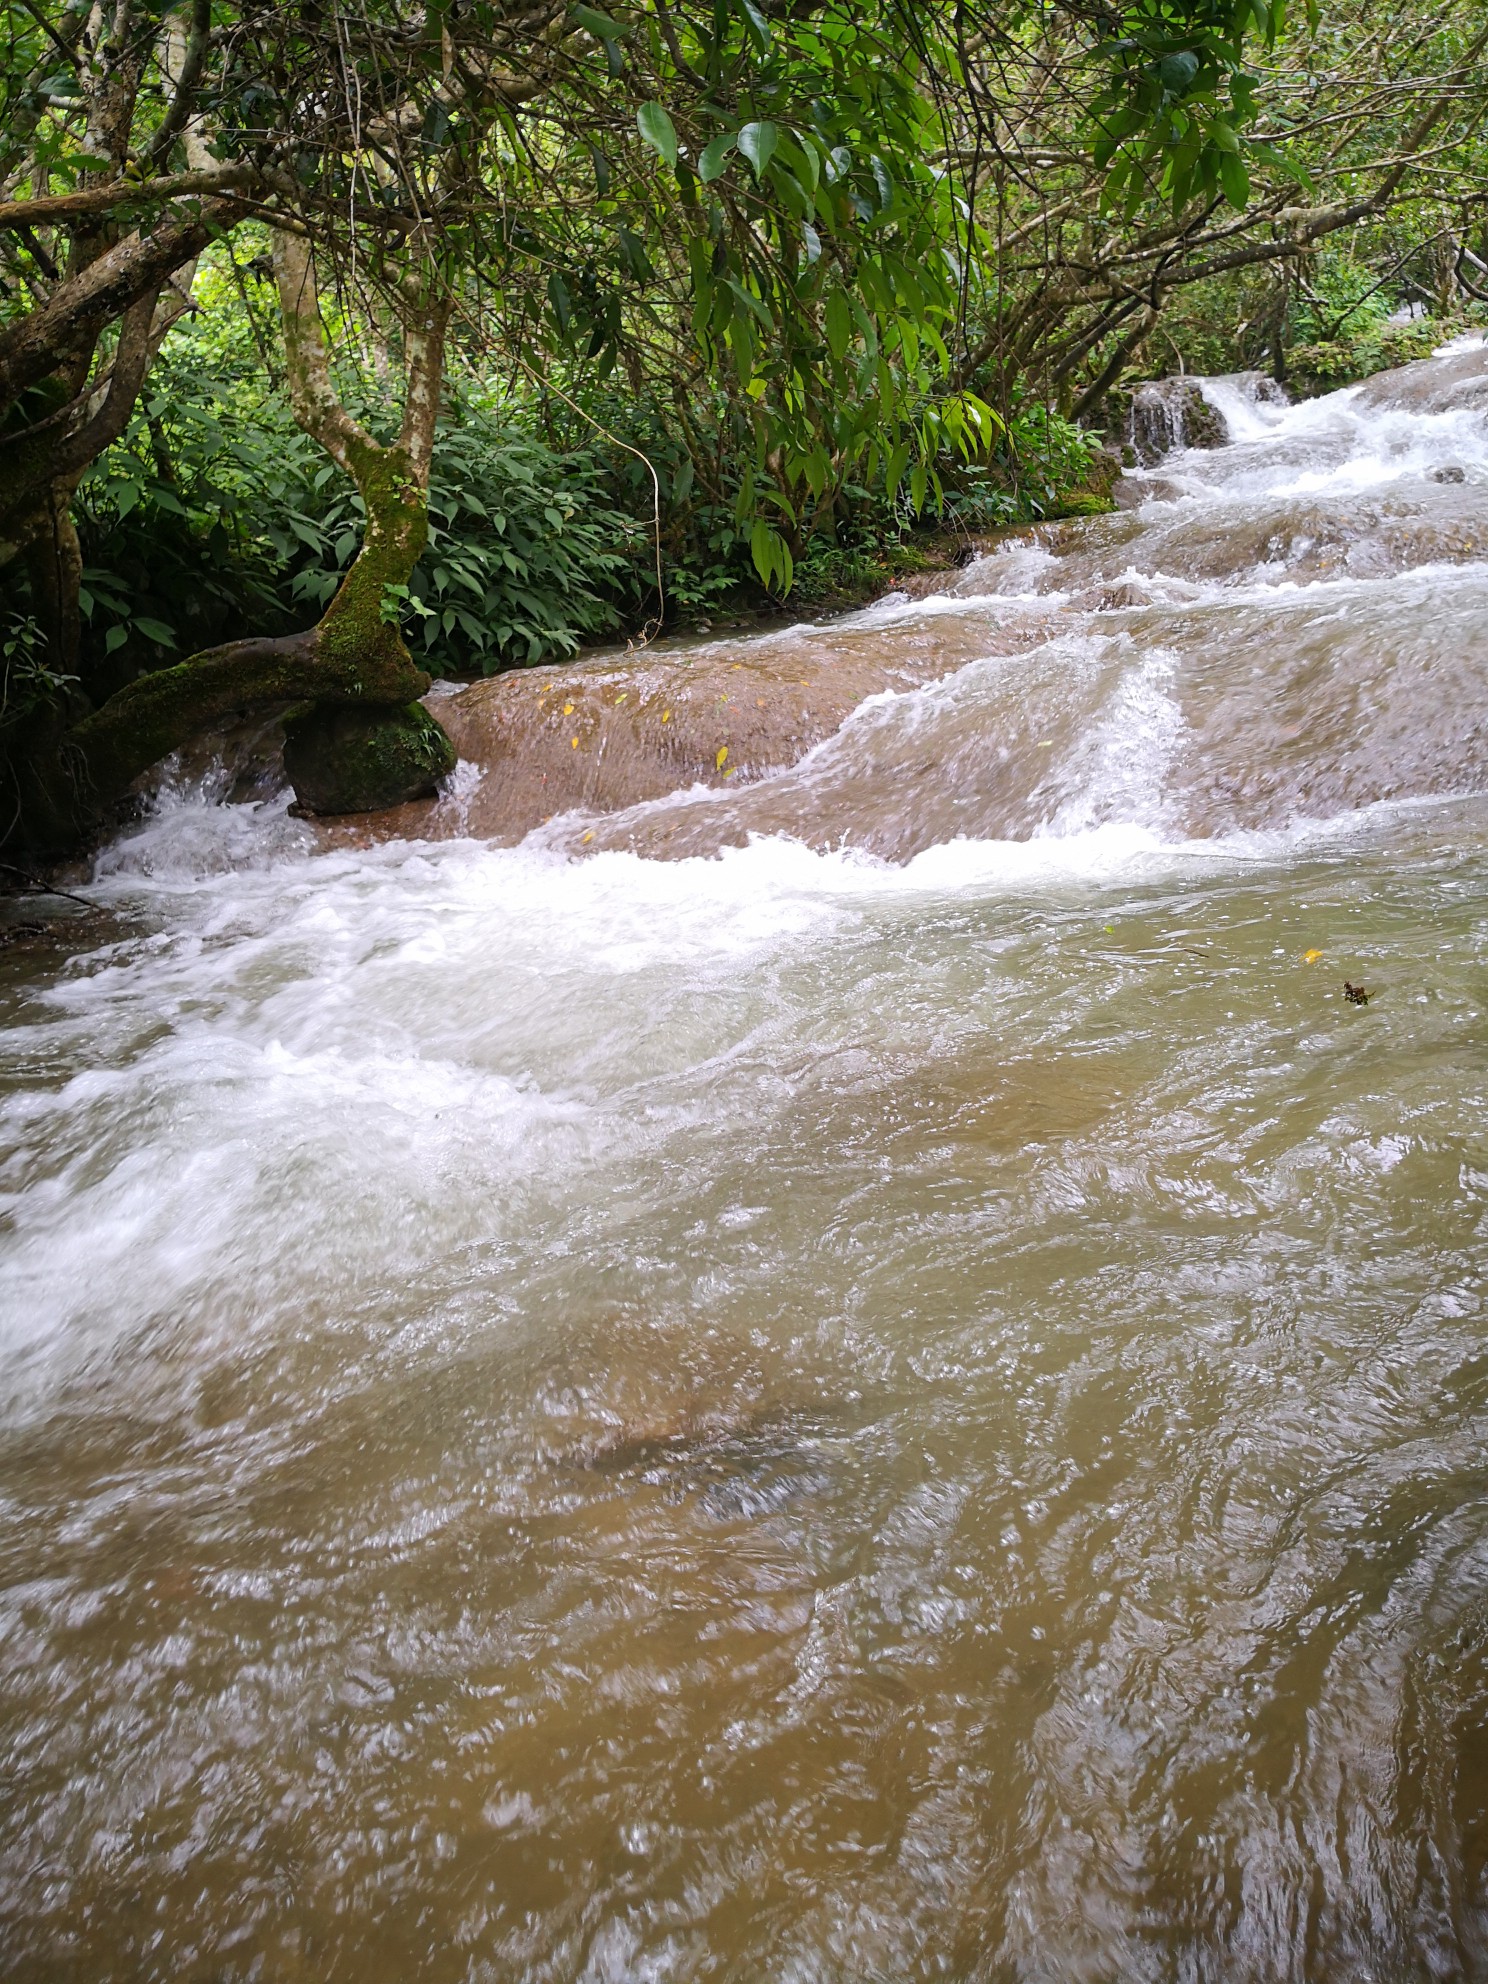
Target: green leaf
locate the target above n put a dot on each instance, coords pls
(598, 24)
(1178, 71)
(759, 27)
(839, 324)
(757, 141)
(771, 555)
(715, 156)
(751, 303)
(807, 165)
(156, 630)
(1234, 179)
(115, 639)
(657, 128)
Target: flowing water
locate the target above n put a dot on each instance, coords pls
(900, 1394)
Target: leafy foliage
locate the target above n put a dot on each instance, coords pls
(27, 679)
(525, 551)
(1175, 116)
(214, 514)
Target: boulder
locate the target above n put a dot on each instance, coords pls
(364, 757)
(1166, 414)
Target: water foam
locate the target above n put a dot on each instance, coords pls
(682, 1368)
(1336, 445)
(279, 1010)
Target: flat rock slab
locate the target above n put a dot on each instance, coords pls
(613, 730)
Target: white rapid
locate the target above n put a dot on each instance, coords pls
(901, 1393)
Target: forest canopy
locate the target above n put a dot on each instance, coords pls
(340, 347)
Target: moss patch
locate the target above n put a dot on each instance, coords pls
(360, 758)
(1092, 496)
(1322, 368)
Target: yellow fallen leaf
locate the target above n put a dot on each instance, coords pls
(722, 755)
(620, 699)
(1311, 957)
(568, 709)
(575, 742)
(590, 834)
(666, 716)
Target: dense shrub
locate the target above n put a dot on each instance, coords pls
(211, 518)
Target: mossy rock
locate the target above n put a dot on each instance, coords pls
(363, 757)
(1203, 424)
(1080, 503)
(1092, 496)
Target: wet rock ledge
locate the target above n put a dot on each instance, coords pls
(610, 731)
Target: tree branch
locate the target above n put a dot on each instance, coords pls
(35, 345)
(423, 351)
(193, 61)
(17, 214)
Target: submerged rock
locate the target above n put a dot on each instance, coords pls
(359, 758)
(1455, 382)
(1130, 492)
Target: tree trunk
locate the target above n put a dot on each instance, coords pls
(338, 765)
(54, 565)
(353, 658)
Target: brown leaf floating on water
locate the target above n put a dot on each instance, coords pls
(1355, 994)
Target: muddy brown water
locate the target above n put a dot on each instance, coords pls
(900, 1393)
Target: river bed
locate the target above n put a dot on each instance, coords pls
(899, 1393)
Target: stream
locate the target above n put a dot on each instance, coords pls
(872, 1376)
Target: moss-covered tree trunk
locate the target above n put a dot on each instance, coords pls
(385, 750)
(359, 740)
